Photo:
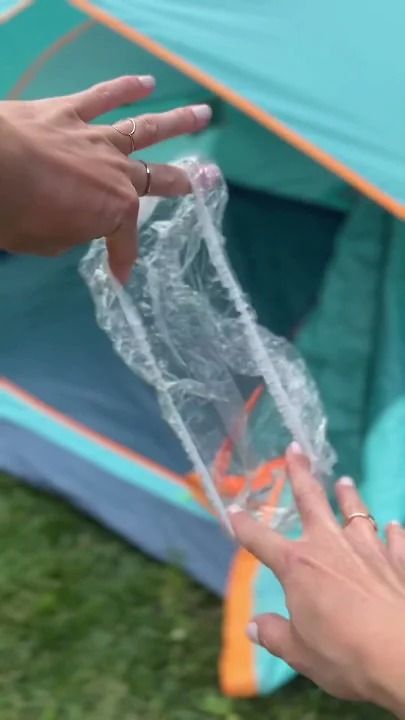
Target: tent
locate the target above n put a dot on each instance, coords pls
(308, 129)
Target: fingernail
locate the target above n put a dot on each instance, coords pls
(396, 523)
(209, 176)
(234, 509)
(295, 448)
(252, 631)
(148, 81)
(346, 481)
(203, 113)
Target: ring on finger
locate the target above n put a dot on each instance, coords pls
(361, 515)
(128, 134)
(148, 179)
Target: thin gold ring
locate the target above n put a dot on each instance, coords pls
(363, 515)
(148, 179)
(128, 134)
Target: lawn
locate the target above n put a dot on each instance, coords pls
(92, 630)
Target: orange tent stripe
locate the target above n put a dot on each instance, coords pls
(237, 663)
(47, 55)
(260, 116)
(90, 434)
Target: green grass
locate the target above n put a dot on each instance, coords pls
(92, 630)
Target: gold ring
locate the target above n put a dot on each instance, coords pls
(364, 515)
(128, 134)
(148, 179)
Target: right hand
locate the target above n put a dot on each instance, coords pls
(345, 592)
(64, 181)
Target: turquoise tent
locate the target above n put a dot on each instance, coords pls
(308, 129)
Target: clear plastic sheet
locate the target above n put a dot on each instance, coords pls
(235, 394)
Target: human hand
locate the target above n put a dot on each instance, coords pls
(64, 182)
(345, 592)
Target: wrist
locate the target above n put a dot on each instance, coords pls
(13, 182)
(387, 678)
(390, 697)
(8, 156)
(392, 702)
(8, 146)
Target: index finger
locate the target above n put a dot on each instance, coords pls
(265, 544)
(310, 497)
(107, 96)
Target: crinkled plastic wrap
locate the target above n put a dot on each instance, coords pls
(234, 394)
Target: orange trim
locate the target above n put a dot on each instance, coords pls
(248, 108)
(39, 63)
(237, 662)
(223, 458)
(23, 5)
(90, 434)
(230, 486)
(196, 489)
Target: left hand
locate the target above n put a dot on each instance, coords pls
(65, 181)
(345, 592)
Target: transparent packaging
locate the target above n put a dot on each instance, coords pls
(235, 394)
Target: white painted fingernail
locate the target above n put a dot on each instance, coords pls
(252, 631)
(148, 81)
(234, 509)
(346, 481)
(203, 113)
(396, 523)
(295, 448)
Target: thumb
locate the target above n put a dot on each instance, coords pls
(272, 632)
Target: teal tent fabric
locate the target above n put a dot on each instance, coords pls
(308, 107)
(354, 343)
(330, 72)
